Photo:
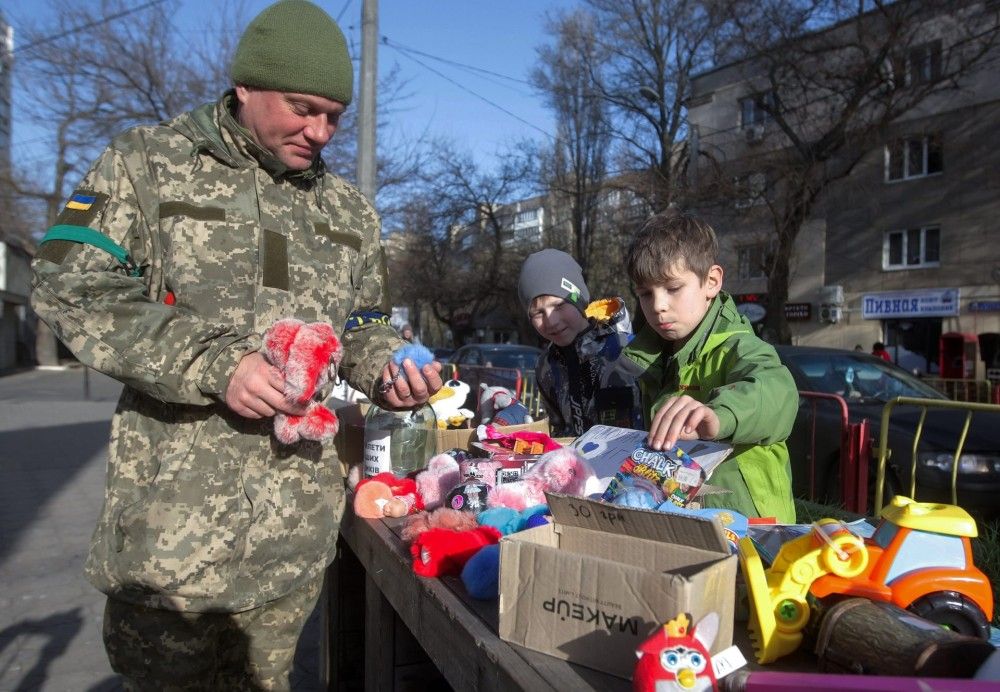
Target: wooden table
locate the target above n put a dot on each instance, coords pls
(372, 588)
(389, 629)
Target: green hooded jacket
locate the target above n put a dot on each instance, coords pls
(726, 366)
(204, 510)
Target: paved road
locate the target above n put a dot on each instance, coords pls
(54, 427)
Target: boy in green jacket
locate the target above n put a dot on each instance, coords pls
(703, 372)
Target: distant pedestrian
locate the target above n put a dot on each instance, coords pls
(407, 335)
(878, 349)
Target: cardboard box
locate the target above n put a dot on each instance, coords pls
(591, 587)
(450, 439)
(350, 440)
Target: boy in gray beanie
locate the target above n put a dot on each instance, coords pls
(577, 375)
(215, 536)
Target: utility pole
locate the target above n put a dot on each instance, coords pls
(366, 108)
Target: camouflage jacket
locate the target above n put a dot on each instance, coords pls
(581, 384)
(204, 510)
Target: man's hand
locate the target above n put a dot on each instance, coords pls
(256, 390)
(682, 418)
(415, 389)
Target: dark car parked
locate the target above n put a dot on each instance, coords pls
(442, 354)
(867, 383)
(493, 364)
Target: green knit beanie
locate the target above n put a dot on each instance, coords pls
(294, 46)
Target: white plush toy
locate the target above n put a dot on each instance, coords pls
(493, 400)
(447, 404)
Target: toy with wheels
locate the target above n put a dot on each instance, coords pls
(920, 559)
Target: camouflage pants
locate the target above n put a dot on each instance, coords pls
(169, 651)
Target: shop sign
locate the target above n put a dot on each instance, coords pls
(753, 306)
(941, 302)
(984, 306)
(798, 312)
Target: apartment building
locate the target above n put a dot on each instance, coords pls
(905, 248)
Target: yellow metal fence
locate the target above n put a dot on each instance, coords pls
(924, 405)
(981, 391)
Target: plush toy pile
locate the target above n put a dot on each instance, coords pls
(451, 518)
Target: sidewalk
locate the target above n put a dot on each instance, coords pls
(53, 450)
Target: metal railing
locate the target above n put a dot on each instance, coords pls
(957, 389)
(531, 397)
(855, 452)
(924, 404)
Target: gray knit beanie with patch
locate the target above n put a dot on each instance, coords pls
(552, 273)
(295, 47)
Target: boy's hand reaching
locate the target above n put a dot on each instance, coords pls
(682, 418)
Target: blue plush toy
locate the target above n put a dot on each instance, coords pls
(481, 574)
(507, 520)
(734, 524)
(420, 355)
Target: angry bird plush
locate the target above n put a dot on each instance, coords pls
(677, 657)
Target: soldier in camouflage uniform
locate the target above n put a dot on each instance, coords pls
(183, 244)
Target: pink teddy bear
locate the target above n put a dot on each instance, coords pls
(559, 471)
(308, 356)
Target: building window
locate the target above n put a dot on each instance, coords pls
(751, 261)
(524, 217)
(527, 234)
(755, 109)
(923, 63)
(912, 248)
(914, 157)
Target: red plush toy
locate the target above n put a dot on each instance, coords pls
(307, 355)
(384, 495)
(440, 552)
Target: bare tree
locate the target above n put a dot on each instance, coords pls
(92, 83)
(574, 169)
(455, 254)
(648, 50)
(831, 96)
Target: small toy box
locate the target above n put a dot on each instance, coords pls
(591, 586)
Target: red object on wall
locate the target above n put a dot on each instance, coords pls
(957, 355)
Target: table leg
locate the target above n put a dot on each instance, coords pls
(343, 627)
(380, 639)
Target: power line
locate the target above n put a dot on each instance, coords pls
(407, 49)
(343, 9)
(88, 25)
(467, 90)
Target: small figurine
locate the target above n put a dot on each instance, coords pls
(677, 657)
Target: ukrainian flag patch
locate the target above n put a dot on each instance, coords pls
(81, 202)
(360, 318)
(83, 208)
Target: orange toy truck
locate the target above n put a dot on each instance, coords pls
(920, 558)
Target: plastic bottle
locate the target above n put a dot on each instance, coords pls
(398, 441)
